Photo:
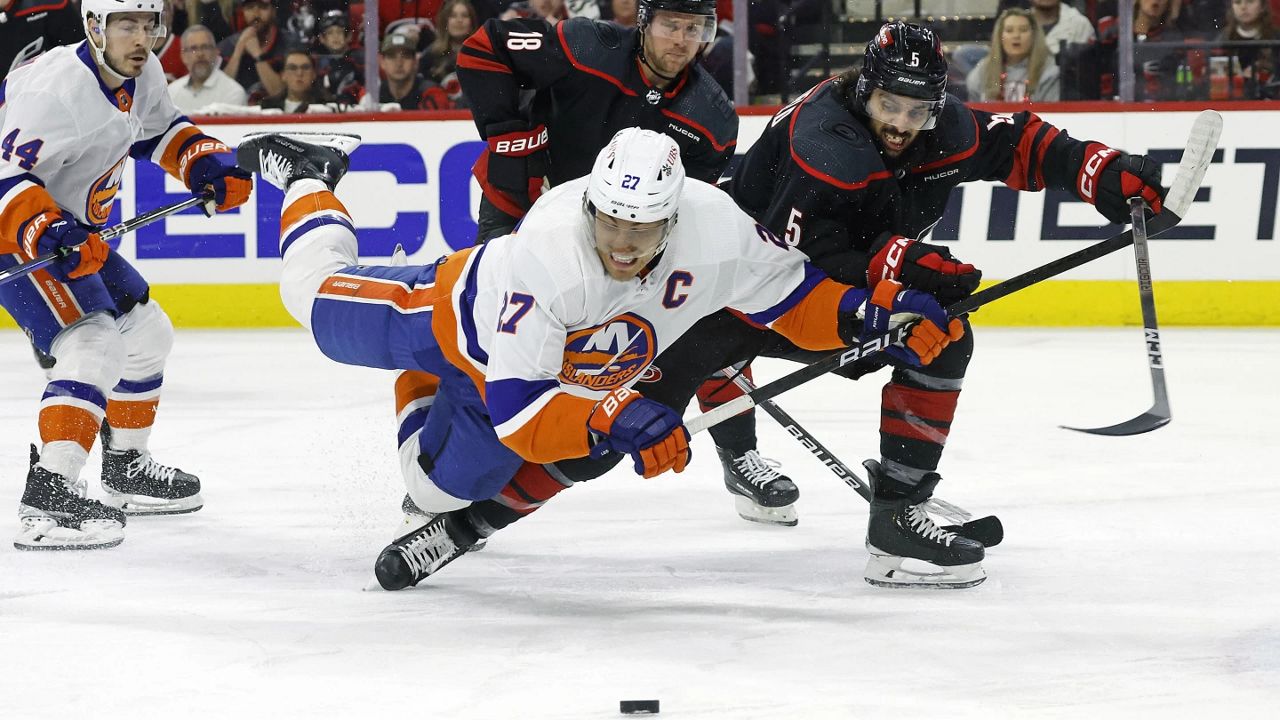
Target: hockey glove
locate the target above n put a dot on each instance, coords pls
(1109, 177)
(921, 266)
(231, 185)
(517, 160)
(650, 432)
(60, 232)
(927, 339)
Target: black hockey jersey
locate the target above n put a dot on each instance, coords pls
(817, 177)
(587, 85)
(30, 27)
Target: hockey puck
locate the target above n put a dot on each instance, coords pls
(638, 707)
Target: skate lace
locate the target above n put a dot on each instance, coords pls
(145, 465)
(759, 471)
(919, 521)
(79, 486)
(427, 548)
(275, 167)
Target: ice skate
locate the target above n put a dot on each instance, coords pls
(139, 485)
(415, 517)
(412, 558)
(907, 550)
(282, 158)
(760, 493)
(55, 515)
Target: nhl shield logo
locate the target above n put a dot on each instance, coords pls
(653, 96)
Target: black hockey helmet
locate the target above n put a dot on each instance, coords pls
(907, 60)
(645, 9)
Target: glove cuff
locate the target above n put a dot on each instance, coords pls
(515, 138)
(197, 152)
(1096, 159)
(609, 408)
(887, 259)
(31, 230)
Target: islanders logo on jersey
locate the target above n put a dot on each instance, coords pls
(102, 195)
(609, 355)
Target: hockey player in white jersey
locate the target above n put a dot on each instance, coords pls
(69, 120)
(537, 339)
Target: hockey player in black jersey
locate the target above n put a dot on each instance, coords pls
(547, 99)
(588, 79)
(851, 172)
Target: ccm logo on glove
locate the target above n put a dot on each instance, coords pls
(1089, 171)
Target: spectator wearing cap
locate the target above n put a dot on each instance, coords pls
(340, 67)
(301, 89)
(255, 55)
(204, 83)
(455, 23)
(402, 85)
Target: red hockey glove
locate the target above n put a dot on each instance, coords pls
(1109, 177)
(921, 266)
(650, 432)
(60, 232)
(927, 339)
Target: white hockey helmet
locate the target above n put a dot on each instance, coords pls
(100, 9)
(637, 177)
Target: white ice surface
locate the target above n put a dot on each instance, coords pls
(1138, 577)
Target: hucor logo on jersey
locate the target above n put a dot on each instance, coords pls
(682, 131)
(102, 195)
(608, 355)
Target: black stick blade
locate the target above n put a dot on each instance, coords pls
(1144, 423)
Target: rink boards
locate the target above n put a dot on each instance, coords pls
(410, 183)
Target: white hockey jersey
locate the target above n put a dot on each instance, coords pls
(64, 137)
(545, 332)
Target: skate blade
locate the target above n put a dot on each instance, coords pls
(135, 505)
(343, 142)
(48, 535)
(886, 571)
(784, 516)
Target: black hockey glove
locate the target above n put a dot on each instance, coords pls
(1109, 177)
(921, 266)
(517, 160)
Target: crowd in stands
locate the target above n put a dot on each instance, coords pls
(307, 55)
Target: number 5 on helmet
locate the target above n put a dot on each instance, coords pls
(650, 432)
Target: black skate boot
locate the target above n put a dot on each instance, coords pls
(412, 558)
(415, 517)
(900, 531)
(55, 515)
(282, 158)
(760, 493)
(141, 486)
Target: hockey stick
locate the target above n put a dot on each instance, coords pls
(1159, 415)
(114, 231)
(986, 530)
(1195, 161)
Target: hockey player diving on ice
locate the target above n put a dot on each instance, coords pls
(538, 338)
